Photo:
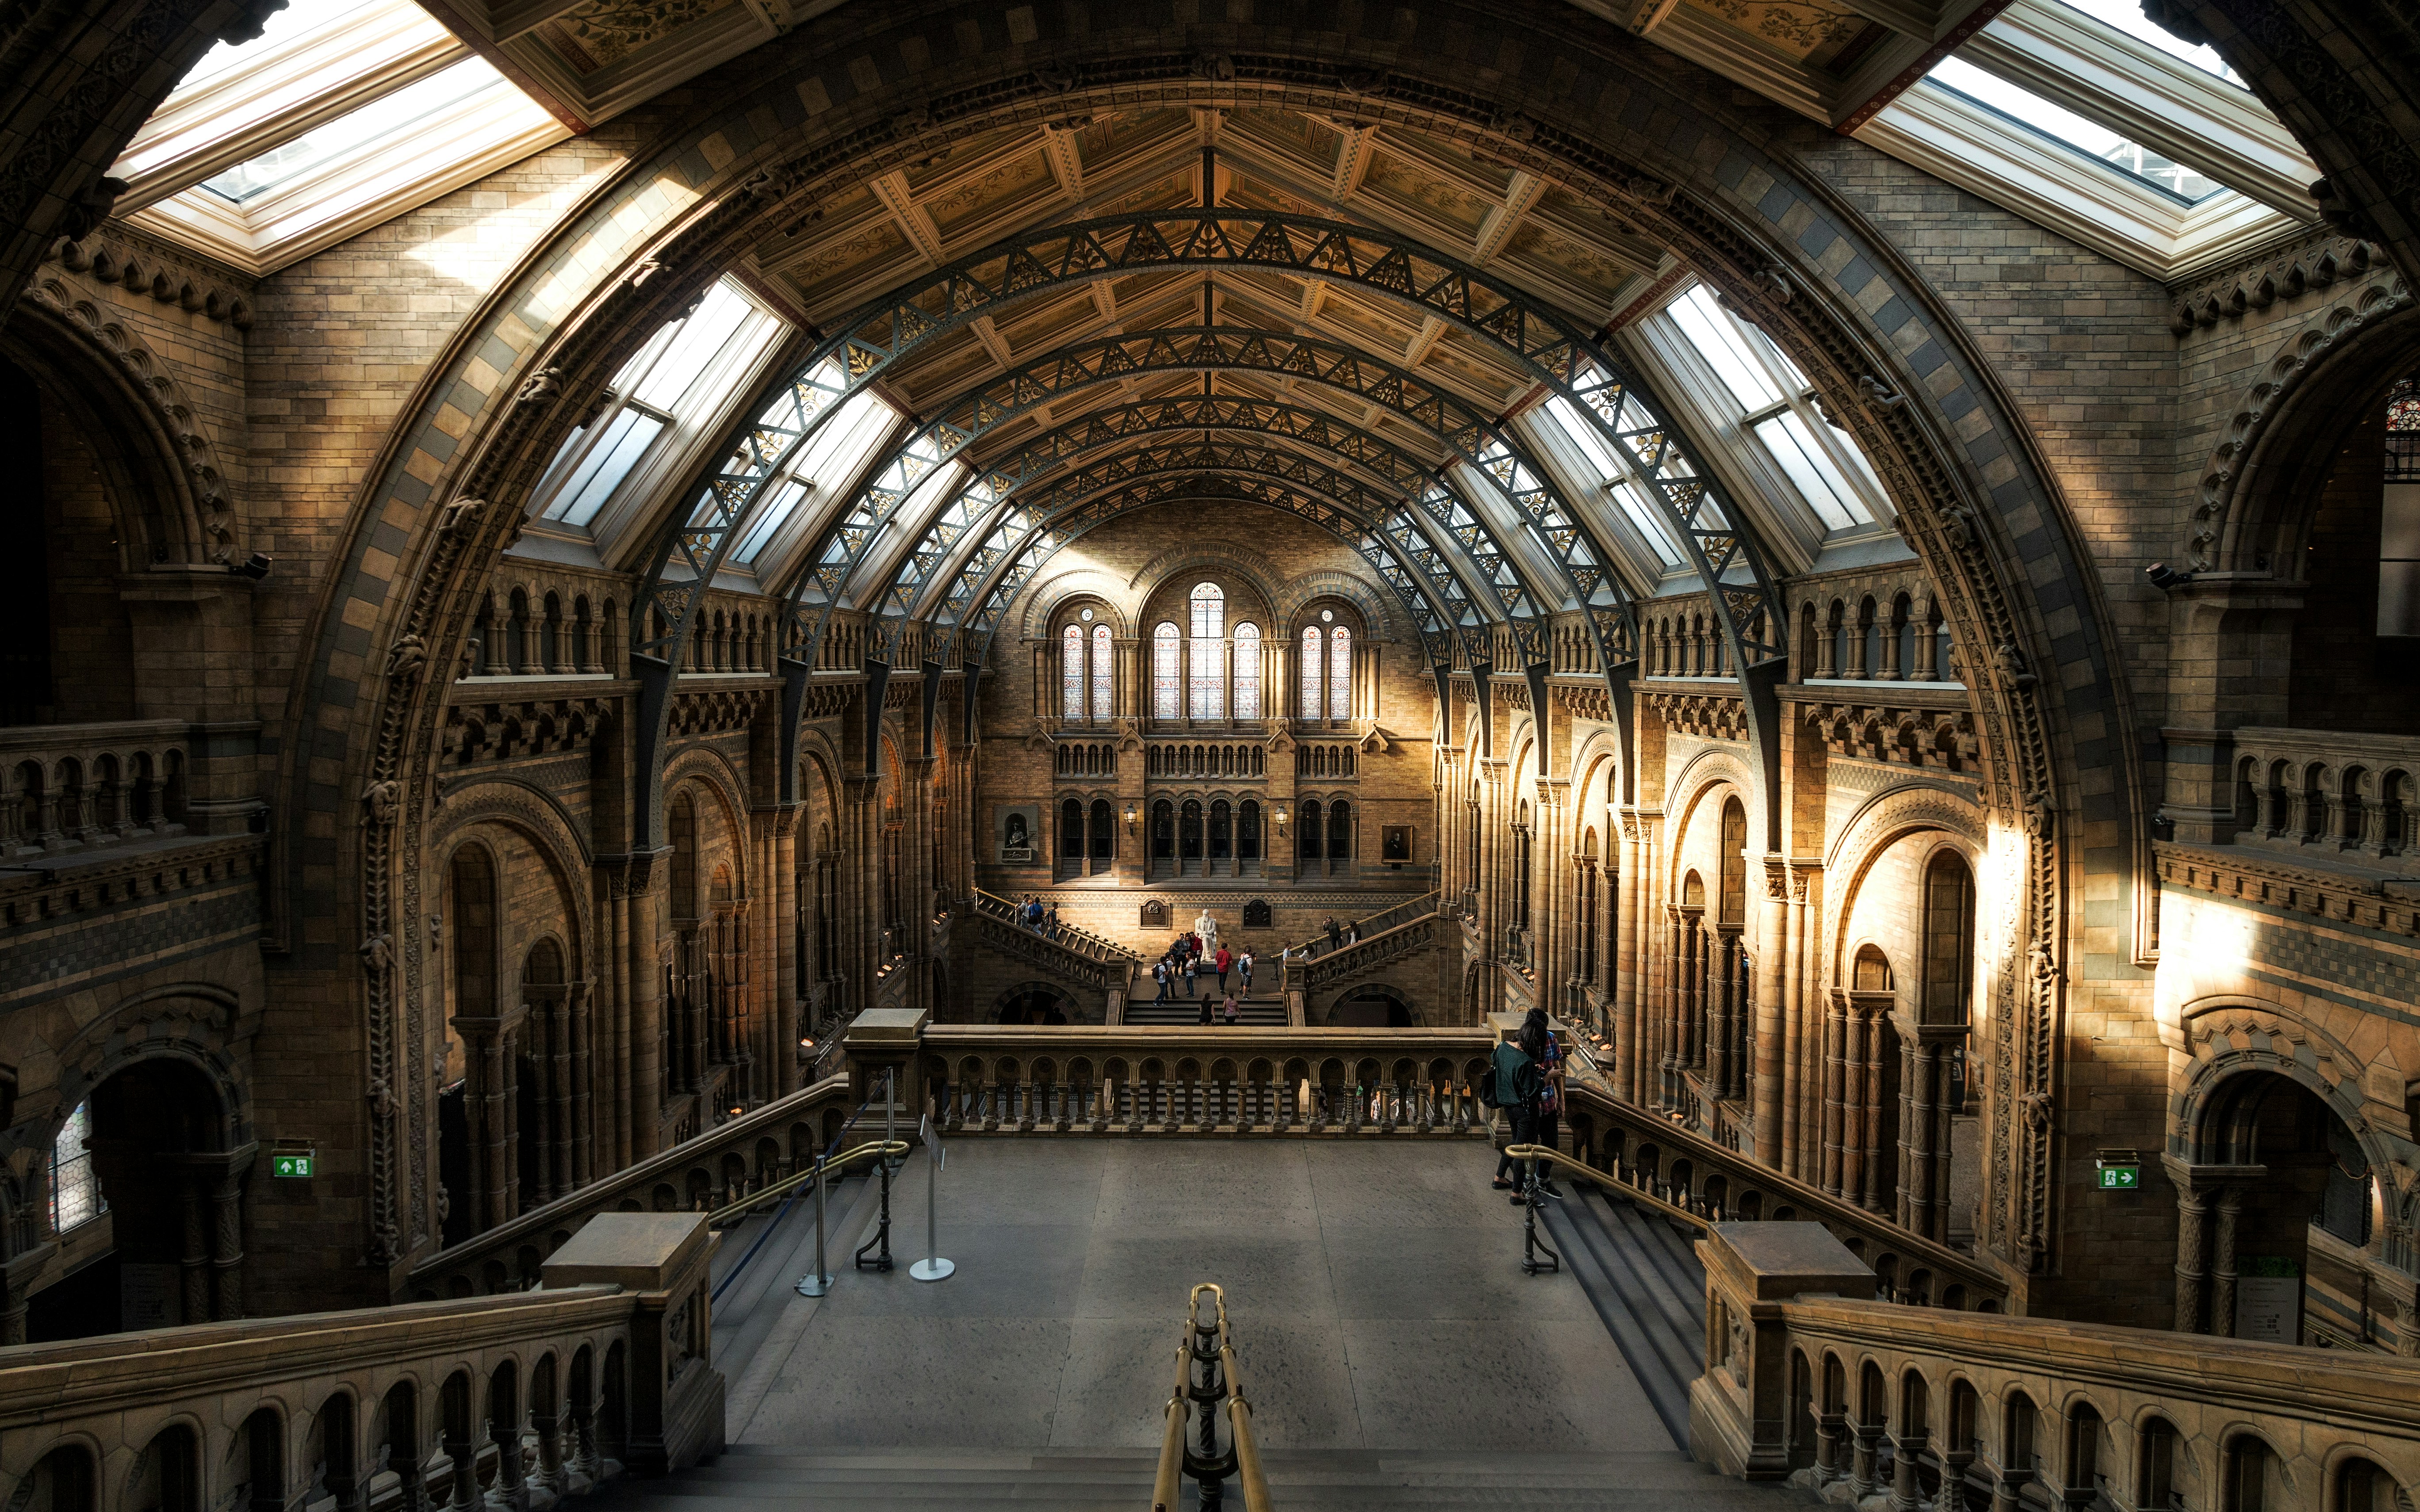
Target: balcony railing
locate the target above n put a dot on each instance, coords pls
(1217, 1081)
(2320, 793)
(65, 788)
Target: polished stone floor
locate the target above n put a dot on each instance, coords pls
(1375, 1292)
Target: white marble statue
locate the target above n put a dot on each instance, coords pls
(1208, 929)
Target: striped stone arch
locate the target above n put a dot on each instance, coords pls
(828, 105)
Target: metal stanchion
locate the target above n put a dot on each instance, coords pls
(932, 1266)
(821, 1281)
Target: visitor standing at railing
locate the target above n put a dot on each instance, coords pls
(1537, 1042)
(1335, 935)
(1353, 933)
(1513, 1085)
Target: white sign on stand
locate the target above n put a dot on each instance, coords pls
(2269, 1308)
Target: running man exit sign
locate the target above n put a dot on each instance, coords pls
(296, 1163)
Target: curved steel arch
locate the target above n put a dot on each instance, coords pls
(1484, 558)
(1051, 537)
(841, 543)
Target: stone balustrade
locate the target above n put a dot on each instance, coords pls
(1806, 1380)
(75, 787)
(2330, 794)
(1238, 760)
(1665, 1160)
(1080, 942)
(986, 1079)
(499, 1403)
(720, 1166)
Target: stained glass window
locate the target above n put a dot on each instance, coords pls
(1164, 644)
(2403, 405)
(75, 1188)
(1071, 673)
(1247, 670)
(1311, 666)
(1105, 677)
(1339, 673)
(1208, 690)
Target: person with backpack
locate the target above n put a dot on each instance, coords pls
(1159, 975)
(1244, 962)
(1512, 1085)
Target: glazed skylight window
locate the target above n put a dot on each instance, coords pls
(1771, 400)
(1613, 478)
(2128, 17)
(280, 32)
(373, 123)
(2043, 117)
(679, 383)
(827, 465)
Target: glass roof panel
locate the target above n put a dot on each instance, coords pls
(703, 337)
(836, 454)
(2127, 17)
(283, 27)
(366, 126)
(601, 472)
(1817, 478)
(1724, 347)
(2030, 112)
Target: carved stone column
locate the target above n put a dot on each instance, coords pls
(1631, 924)
(578, 1036)
(2222, 1279)
(1551, 916)
(2192, 1265)
(1771, 1041)
(1836, 1055)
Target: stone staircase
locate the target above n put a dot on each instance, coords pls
(1181, 1010)
(1642, 1275)
(754, 1477)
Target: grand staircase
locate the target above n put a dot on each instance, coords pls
(756, 1477)
(1184, 1011)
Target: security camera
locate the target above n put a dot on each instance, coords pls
(254, 566)
(2165, 577)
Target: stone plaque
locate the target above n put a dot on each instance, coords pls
(1155, 914)
(1256, 914)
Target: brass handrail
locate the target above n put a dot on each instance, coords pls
(1246, 1453)
(1669, 1209)
(731, 1212)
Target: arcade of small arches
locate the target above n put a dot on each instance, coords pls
(1891, 627)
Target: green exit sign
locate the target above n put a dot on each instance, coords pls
(2121, 1177)
(298, 1165)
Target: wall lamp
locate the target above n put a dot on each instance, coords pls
(1282, 818)
(1130, 818)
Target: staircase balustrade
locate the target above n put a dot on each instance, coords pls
(1368, 953)
(2316, 792)
(1366, 930)
(1674, 1164)
(981, 1079)
(467, 1404)
(1076, 942)
(1955, 1409)
(720, 1166)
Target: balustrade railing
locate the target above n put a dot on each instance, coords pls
(2330, 794)
(722, 1165)
(1677, 1165)
(1067, 936)
(1933, 1408)
(983, 1079)
(458, 1405)
(79, 786)
(1352, 932)
(1241, 760)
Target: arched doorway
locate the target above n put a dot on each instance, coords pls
(2274, 1215)
(1372, 1007)
(142, 1181)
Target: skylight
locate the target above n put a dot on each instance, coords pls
(2043, 117)
(369, 126)
(679, 381)
(830, 462)
(1614, 480)
(2127, 17)
(282, 29)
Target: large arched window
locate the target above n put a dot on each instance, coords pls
(1207, 691)
(1105, 677)
(1166, 649)
(1071, 673)
(1314, 665)
(1949, 933)
(1339, 673)
(1247, 670)
(1731, 904)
